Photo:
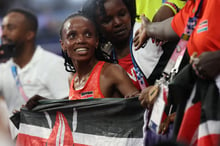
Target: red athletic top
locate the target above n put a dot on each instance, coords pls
(206, 34)
(92, 86)
(127, 64)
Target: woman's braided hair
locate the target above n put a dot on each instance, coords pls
(90, 8)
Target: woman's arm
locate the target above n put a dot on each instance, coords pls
(114, 79)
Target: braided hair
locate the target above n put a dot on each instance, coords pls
(90, 8)
(100, 55)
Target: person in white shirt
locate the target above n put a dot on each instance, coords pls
(31, 70)
(5, 138)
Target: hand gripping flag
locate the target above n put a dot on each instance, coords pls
(200, 123)
(91, 122)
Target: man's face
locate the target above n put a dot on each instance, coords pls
(13, 29)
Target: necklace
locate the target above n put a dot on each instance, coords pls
(79, 84)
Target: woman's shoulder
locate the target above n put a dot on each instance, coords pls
(111, 69)
(111, 66)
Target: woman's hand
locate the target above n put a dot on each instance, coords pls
(133, 94)
(148, 96)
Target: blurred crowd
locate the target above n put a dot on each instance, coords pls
(165, 53)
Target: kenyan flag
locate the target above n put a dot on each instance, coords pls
(200, 123)
(92, 122)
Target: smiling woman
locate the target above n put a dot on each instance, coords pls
(80, 39)
(93, 78)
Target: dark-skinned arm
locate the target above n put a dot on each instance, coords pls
(207, 65)
(160, 30)
(117, 78)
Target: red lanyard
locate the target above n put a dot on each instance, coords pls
(173, 64)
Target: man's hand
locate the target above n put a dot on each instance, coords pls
(33, 101)
(141, 34)
(1, 54)
(165, 124)
(6, 52)
(207, 65)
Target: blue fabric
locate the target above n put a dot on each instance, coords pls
(151, 138)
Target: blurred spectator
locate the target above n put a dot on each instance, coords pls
(155, 55)
(204, 38)
(149, 8)
(5, 138)
(48, 12)
(31, 70)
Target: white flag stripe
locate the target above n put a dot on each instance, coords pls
(63, 130)
(189, 102)
(217, 81)
(97, 140)
(59, 131)
(48, 119)
(74, 122)
(35, 130)
(81, 138)
(209, 127)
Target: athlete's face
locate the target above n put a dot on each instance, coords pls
(79, 38)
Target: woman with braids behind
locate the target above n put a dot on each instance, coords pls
(115, 19)
(116, 22)
(92, 78)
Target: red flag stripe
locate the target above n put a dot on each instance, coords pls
(61, 133)
(209, 140)
(188, 129)
(27, 140)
